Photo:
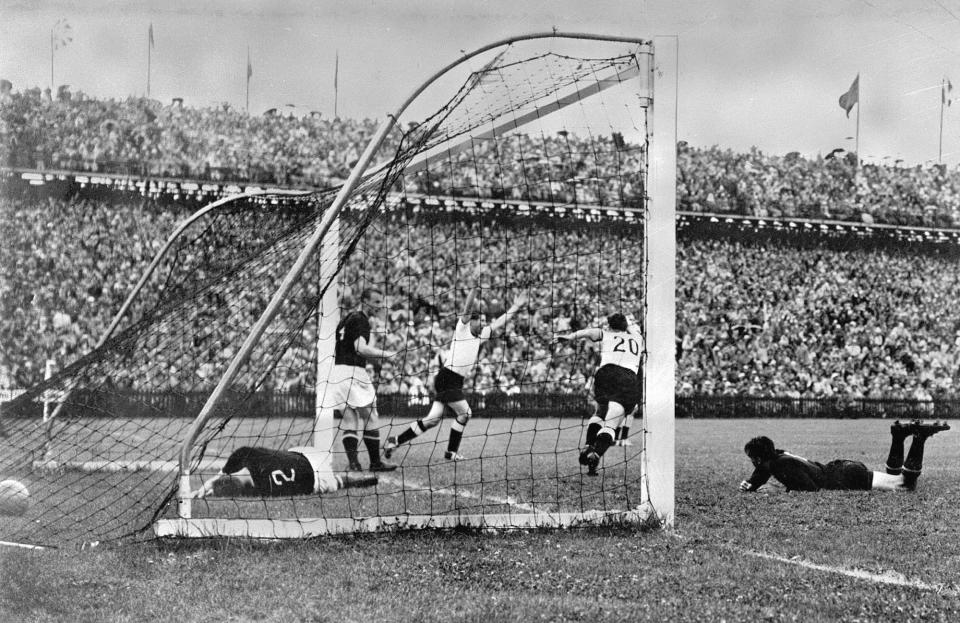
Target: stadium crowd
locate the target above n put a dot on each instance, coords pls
(754, 317)
(143, 137)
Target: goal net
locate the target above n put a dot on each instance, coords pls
(533, 173)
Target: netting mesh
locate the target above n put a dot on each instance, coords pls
(532, 176)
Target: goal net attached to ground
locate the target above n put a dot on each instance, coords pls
(540, 167)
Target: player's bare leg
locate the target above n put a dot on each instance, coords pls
(604, 439)
(463, 413)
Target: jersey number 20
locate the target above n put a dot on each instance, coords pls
(631, 344)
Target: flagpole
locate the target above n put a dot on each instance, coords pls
(51, 60)
(248, 79)
(859, 104)
(149, 46)
(336, 75)
(943, 97)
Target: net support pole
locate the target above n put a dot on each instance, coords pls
(328, 317)
(660, 309)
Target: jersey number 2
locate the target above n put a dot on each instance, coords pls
(278, 477)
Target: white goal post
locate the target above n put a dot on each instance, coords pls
(660, 61)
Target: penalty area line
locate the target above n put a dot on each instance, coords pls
(894, 578)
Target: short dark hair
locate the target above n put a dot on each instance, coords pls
(617, 322)
(761, 448)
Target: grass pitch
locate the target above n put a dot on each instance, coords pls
(830, 556)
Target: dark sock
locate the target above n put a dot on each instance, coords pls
(603, 441)
(456, 434)
(592, 429)
(622, 433)
(914, 462)
(412, 432)
(371, 439)
(895, 458)
(350, 445)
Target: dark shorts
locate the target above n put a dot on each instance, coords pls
(449, 386)
(847, 475)
(614, 383)
(274, 472)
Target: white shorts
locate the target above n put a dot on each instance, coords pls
(349, 386)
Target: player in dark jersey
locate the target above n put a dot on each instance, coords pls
(796, 473)
(262, 472)
(350, 388)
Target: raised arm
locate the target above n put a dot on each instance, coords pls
(468, 305)
(499, 323)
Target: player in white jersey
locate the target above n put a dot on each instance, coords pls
(615, 384)
(263, 472)
(455, 365)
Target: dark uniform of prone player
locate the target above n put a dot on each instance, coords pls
(796, 473)
(264, 472)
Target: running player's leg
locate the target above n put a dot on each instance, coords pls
(595, 423)
(605, 436)
(416, 429)
(622, 432)
(462, 414)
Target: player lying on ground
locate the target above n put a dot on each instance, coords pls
(799, 474)
(616, 387)
(262, 472)
(455, 365)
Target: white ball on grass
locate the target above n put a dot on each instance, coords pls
(14, 498)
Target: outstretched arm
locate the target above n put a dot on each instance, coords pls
(594, 334)
(500, 322)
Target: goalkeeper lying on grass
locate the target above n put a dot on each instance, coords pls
(800, 474)
(261, 472)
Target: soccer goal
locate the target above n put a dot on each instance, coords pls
(538, 169)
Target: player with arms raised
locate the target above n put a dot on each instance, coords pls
(615, 384)
(455, 365)
(350, 387)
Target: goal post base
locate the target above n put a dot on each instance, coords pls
(314, 527)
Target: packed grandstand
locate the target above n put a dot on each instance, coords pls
(793, 314)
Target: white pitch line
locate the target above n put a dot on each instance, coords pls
(888, 577)
(406, 483)
(21, 545)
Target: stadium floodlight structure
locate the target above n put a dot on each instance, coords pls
(550, 172)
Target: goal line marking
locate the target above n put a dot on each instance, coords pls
(407, 483)
(887, 577)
